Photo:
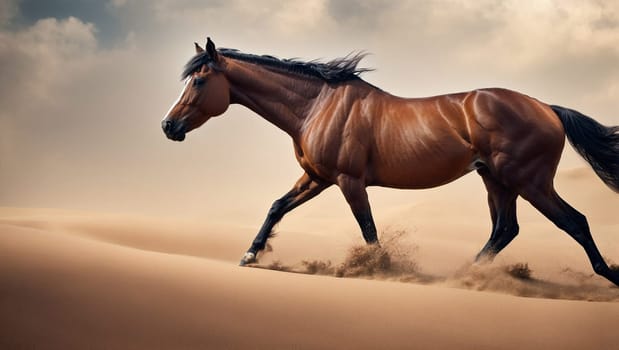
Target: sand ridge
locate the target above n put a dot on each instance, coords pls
(75, 280)
(64, 288)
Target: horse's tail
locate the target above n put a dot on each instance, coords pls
(597, 143)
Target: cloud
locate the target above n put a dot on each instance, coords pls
(118, 3)
(36, 58)
(55, 87)
(34, 63)
(349, 9)
(526, 36)
(250, 18)
(8, 10)
(37, 63)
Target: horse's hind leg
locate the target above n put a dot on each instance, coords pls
(571, 221)
(502, 203)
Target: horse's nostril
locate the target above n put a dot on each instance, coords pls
(166, 125)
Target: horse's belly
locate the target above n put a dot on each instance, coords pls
(415, 166)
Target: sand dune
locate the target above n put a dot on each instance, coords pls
(75, 280)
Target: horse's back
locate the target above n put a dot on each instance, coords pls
(427, 142)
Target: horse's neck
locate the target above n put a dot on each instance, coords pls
(283, 99)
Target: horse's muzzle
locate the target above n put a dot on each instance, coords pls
(174, 130)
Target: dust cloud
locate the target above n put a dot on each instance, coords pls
(395, 260)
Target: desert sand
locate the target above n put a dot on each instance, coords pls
(88, 280)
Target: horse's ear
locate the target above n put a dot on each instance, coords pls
(211, 50)
(198, 48)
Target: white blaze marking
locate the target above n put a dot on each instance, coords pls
(178, 99)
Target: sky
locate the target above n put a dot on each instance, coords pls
(85, 84)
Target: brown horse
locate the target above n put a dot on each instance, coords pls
(352, 134)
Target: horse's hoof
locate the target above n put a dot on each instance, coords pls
(248, 258)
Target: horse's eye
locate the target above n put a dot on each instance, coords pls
(198, 81)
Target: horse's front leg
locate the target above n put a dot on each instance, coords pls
(305, 189)
(357, 197)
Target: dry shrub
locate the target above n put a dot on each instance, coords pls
(520, 271)
(278, 266)
(319, 267)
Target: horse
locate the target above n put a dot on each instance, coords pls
(349, 133)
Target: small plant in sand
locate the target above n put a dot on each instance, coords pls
(520, 271)
(314, 267)
(278, 266)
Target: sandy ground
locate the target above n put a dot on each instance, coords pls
(78, 280)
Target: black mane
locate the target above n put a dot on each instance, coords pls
(335, 71)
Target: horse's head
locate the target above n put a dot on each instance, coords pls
(206, 94)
